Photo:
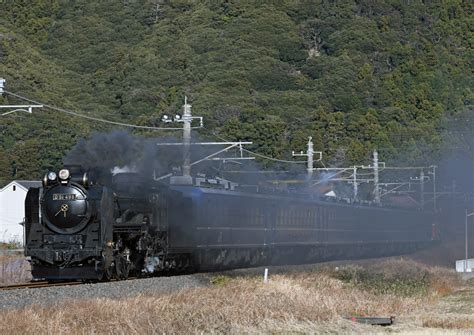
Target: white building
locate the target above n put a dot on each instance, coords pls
(12, 209)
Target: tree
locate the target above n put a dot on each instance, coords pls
(26, 160)
(5, 168)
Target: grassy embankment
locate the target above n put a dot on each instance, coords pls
(13, 266)
(309, 300)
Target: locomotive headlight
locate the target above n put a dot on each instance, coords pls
(52, 176)
(64, 174)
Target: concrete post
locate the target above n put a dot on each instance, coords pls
(310, 154)
(186, 138)
(376, 178)
(422, 188)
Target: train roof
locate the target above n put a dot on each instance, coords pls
(288, 197)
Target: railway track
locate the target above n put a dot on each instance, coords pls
(37, 284)
(44, 283)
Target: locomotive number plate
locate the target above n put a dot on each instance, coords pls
(64, 196)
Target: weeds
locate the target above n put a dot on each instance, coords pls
(220, 280)
(380, 283)
(12, 245)
(14, 268)
(399, 277)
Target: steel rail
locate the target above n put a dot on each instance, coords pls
(36, 284)
(44, 283)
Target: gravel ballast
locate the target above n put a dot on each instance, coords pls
(21, 298)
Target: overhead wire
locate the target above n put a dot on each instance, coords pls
(273, 159)
(255, 153)
(122, 124)
(92, 118)
(63, 110)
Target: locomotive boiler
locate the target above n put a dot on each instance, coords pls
(79, 226)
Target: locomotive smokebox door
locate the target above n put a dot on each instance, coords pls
(65, 208)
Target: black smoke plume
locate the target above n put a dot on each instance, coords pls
(123, 151)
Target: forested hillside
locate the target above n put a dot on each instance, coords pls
(355, 74)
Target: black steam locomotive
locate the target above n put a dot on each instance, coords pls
(76, 228)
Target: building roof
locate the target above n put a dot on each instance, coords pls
(24, 184)
(29, 183)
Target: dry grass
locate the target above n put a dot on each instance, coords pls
(301, 302)
(451, 323)
(14, 268)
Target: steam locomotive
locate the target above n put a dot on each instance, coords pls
(79, 228)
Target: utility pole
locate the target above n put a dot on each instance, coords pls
(379, 191)
(187, 119)
(422, 188)
(310, 156)
(465, 238)
(354, 181)
(433, 173)
(376, 178)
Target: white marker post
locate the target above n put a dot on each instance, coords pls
(265, 276)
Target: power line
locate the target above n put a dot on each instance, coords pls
(62, 110)
(274, 159)
(257, 154)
